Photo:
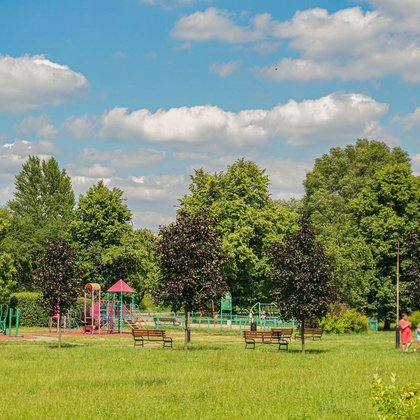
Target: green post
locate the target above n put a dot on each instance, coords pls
(10, 320)
(17, 322)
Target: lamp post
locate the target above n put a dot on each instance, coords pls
(397, 326)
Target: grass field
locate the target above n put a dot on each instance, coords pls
(106, 378)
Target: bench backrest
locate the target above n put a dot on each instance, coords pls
(257, 334)
(285, 332)
(148, 333)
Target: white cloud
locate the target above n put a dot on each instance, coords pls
(126, 158)
(332, 119)
(40, 126)
(405, 14)
(349, 44)
(217, 25)
(199, 125)
(286, 176)
(29, 82)
(79, 128)
(224, 69)
(415, 163)
(13, 155)
(152, 219)
(410, 121)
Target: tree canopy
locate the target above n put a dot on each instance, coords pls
(247, 220)
(191, 263)
(300, 276)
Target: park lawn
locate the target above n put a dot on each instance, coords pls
(107, 378)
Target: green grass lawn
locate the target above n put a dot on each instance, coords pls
(106, 377)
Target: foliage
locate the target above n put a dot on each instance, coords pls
(32, 313)
(247, 220)
(7, 271)
(134, 260)
(341, 319)
(42, 207)
(393, 402)
(59, 278)
(43, 192)
(301, 275)
(338, 181)
(101, 222)
(415, 319)
(191, 262)
(7, 267)
(389, 204)
(412, 243)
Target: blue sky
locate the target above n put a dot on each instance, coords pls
(141, 92)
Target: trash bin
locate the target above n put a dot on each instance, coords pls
(253, 326)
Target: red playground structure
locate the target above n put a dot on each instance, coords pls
(110, 313)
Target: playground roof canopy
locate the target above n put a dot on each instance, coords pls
(93, 286)
(120, 286)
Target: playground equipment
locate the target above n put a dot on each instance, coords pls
(109, 313)
(268, 313)
(226, 309)
(6, 320)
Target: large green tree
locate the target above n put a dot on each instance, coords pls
(42, 206)
(336, 179)
(135, 260)
(7, 267)
(247, 220)
(102, 222)
(387, 206)
(191, 261)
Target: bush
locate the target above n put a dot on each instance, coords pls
(343, 320)
(393, 402)
(415, 319)
(32, 314)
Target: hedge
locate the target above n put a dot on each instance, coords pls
(32, 313)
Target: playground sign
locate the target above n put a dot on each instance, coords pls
(226, 304)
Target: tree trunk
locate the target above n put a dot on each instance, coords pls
(302, 334)
(387, 325)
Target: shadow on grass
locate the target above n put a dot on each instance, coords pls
(66, 345)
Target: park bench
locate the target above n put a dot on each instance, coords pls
(166, 321)
(282, 333)
(314, 333)
(265, 337)
(140, 336)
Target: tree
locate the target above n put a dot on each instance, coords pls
(300, 276)
(59, 278)
(336, 179)
(247, 220)
(413, 270)
(101, 222)
(389, 204)
(43, 192)
(42, 207)
(135, 260)
(191, 263)
(7, 267)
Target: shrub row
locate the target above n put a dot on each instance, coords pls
(32, 313)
